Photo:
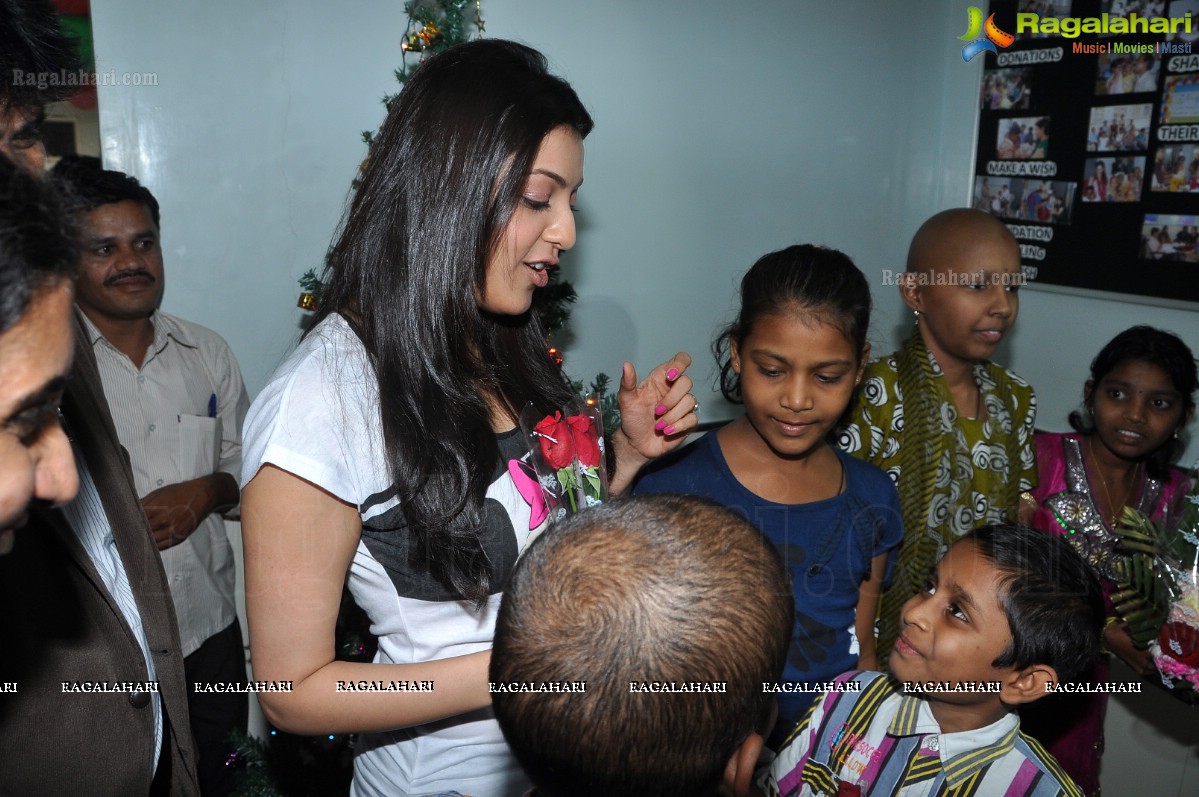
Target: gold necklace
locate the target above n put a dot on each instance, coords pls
(1117, 510)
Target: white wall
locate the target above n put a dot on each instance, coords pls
(723, 130)
(249, 141)
(722, 133)
(719, 136)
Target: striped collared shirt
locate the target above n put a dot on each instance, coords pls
(887, 744)
(91, 525)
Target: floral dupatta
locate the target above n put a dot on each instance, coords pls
(941, 470)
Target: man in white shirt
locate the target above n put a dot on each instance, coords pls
(178, 402)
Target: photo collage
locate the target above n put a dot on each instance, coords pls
(1088, 146)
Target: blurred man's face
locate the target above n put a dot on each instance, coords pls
(21, 137)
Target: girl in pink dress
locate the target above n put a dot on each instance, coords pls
(1139, 397)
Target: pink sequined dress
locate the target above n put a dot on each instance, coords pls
(1071, 726)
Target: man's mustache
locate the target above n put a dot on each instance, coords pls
(133, 272)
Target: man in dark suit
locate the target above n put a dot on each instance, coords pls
(82, 719)
(92, 692)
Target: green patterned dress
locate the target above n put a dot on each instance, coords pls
(953, 473)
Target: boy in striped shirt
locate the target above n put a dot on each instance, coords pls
(1007, 615)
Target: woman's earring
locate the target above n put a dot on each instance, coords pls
(917, 314)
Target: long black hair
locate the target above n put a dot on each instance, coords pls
(38, 245)
(441, 183)
(806, 279)
(1156, 347)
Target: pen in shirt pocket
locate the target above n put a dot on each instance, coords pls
(212, 406)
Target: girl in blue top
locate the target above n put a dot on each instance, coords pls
(793, 357)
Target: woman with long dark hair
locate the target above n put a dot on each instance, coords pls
(381, 447)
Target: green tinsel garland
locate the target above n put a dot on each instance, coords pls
(432, 27)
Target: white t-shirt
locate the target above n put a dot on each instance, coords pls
(318, 419)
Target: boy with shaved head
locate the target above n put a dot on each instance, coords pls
(676, 614)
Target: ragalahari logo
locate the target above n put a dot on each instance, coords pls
(992, 35)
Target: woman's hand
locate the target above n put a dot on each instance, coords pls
(655, 416)
(1117, 640)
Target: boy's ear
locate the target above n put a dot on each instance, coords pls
(1032, 683)
(739, 771)
(909, 291)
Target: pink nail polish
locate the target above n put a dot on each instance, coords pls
(660, 425)
(660, 409)
(668, 430)
(672, 374)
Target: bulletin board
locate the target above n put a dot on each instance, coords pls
(1088, 148)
